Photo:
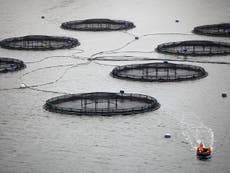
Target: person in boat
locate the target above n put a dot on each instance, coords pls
(200, 148)
(209, 150)
(203, 152)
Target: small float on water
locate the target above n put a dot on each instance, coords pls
(203, 153)
(167, 135)
(224, 94)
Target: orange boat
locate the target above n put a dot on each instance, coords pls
(203, 153)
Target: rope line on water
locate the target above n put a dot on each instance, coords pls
(95, 58)
(70, 66)
(139, 58)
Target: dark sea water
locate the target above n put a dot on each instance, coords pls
(34, 140)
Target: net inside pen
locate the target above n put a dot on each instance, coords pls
(102, 103)
(222, 30)
(10, 65)
(159, 72)
(195, 48)
(98, 25)
(39, 42)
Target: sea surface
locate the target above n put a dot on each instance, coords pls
(35, 140)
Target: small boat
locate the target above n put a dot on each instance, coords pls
(203, 153)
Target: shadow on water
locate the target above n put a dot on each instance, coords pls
(204, 159)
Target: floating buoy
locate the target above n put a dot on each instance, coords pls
(22, 85)
(185, 50)
(167, 135)
(136, 38)
(224, 94)
(122, 91)
(43, 17)
(176, 20)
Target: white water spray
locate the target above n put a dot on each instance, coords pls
(194, 130)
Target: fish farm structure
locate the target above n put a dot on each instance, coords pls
(194, 48)
(102, 103)
(221, 30)
(10, 65)
(39, 42)
(159, 72)
(98, 25)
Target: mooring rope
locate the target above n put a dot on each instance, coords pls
(101, 56)
(56, 56)
(139, 58)
(136, 38)
(56, 80)
(113, 50)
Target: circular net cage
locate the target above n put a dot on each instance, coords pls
(102, 103)
(98, 25)
(222, 30)
(159, 72)
(39, 42)
(10, 65)
(194, 48)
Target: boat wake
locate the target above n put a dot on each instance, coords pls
(195, 131)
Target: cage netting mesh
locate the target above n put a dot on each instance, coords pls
(98, 25)
(39, 42)
(195, 48)
(102, 103)
(10, 65)
(222, 30)
(159, 72)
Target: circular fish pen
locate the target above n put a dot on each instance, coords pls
(222, 30)
(159, 72)
(102, 103)
(98, 25)
(194, 48)
(10, 65)
(39, 42)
